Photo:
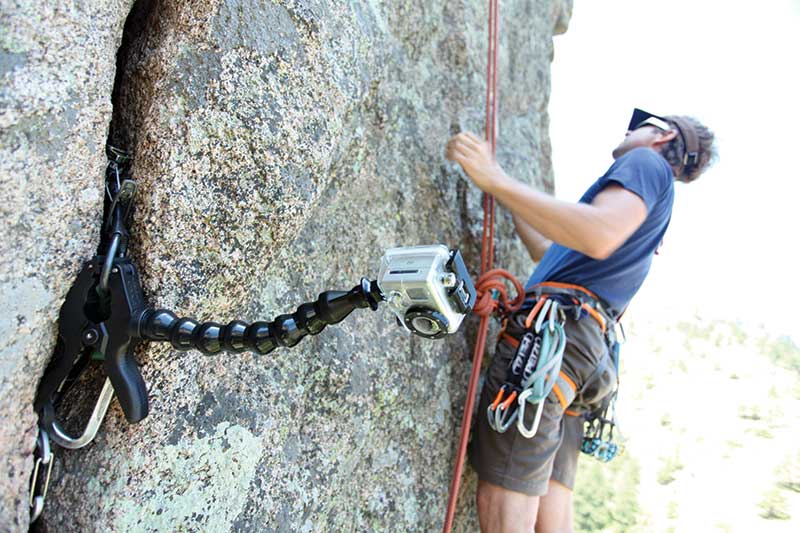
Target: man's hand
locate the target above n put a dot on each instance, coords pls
(475, 157)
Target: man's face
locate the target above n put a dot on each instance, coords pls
(644, 136)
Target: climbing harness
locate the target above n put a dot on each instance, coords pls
(541, 347)
(104, 317)
(534, 370)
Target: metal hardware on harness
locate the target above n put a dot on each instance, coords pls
(598, 437)
(532, 373)
(538, 386)
(43, 458)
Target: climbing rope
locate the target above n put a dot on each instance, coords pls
(490, 284)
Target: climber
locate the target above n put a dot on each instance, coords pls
(600, 249)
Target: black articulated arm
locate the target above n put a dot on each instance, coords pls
(261, 337)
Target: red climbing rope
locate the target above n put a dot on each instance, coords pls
(490, 279)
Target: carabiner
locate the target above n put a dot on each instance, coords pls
(63, 439)
(498, 414)
(505, 414)
(542, 314)
(552, 322)
(528, 432)
(44, 457)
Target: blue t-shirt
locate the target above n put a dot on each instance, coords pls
(617, 278)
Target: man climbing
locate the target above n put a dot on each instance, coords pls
(595, 254)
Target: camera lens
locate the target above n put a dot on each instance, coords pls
(426, 322)
(425, 325)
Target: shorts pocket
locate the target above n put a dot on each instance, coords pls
(598, 385)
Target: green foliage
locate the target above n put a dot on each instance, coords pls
(738, 333)
(672, 510)
(773, 393)
(670, 466)
(762, 433)
(782, 351)
(606, 496)
(788, 474)
(773, 506)
(695, 330)
(750, 412)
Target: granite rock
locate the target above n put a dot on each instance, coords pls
(279, 147)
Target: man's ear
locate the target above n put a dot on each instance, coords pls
(664, 138)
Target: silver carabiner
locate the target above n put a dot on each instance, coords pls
(44, 457)
(63, 439)
(528, 432)
(503, 421)
(500, 418)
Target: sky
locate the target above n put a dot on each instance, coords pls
(731, 249)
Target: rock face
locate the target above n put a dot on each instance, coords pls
(280, 147)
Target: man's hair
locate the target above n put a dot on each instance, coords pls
(674, 150)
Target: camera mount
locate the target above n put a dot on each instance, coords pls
(104, 317)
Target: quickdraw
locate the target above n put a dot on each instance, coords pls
(599, 425)
(598, 437)
(533, 371)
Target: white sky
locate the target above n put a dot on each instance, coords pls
(731, 250)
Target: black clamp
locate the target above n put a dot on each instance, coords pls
(105, 316)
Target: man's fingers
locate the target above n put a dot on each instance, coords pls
(454, 154)
(474, 139)
(469, 140)
(464, 145)
(459, 139)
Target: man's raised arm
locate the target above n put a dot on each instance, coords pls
(595, 229)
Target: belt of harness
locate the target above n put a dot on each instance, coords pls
(104, 317)
(535, 368)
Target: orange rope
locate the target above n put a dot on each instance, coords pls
(490, 279)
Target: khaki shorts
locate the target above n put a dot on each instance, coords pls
(526, 465)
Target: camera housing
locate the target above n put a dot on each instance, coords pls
(428, 288)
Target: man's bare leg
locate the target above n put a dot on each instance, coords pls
(555, 510)
(505, 511)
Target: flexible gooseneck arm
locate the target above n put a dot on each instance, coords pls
(261, 337)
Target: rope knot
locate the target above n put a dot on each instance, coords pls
(493, 280)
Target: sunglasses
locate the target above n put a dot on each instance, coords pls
(643, 118)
